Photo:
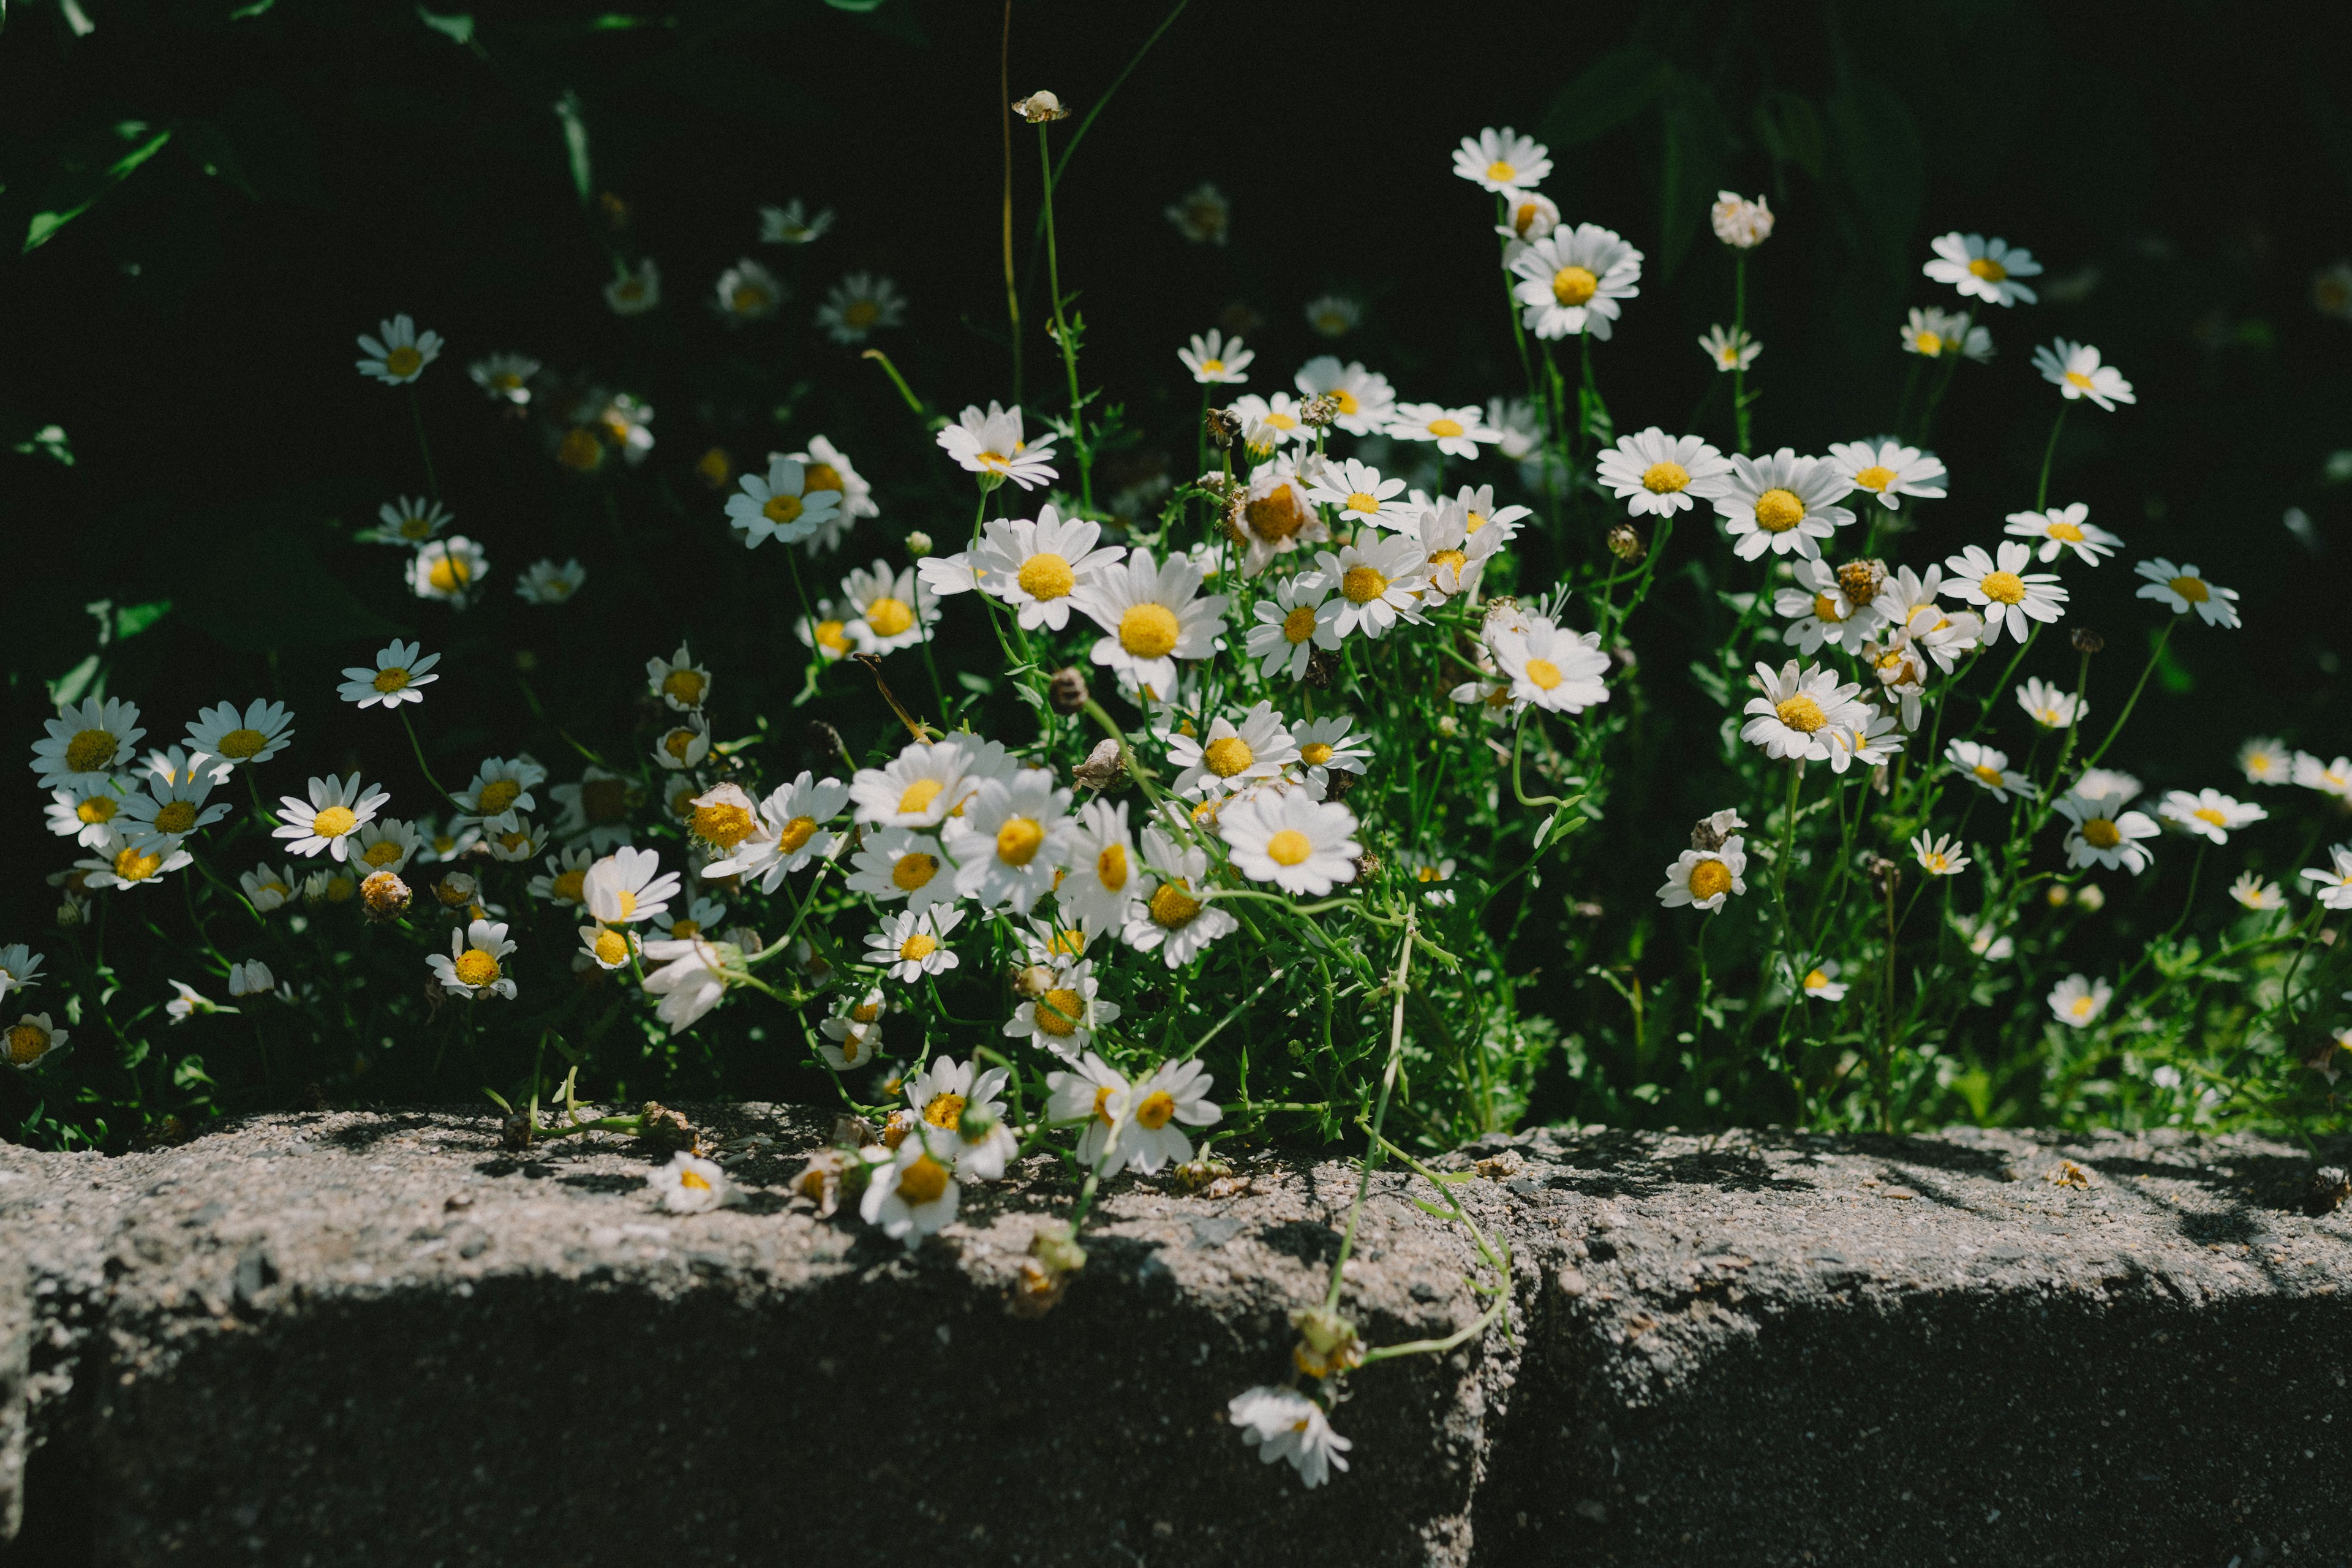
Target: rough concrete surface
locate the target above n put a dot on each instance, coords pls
(347, 1338)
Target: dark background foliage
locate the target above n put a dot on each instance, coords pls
(309, 168)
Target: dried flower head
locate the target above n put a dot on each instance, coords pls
(1104, 770)
(1225, 425)
(1039, 107)
(1067, 691)
(1861, 580)
(1327, 1342)
(1625, 542)
(2085, 640)
(385, 895)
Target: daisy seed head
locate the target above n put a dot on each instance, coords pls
(2085, 640)
(1067, 691)
(385, 895)
(1625, 543)
(1225, 425)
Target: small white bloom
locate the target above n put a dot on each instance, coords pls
(1365, 398)
(691, 1185)
(1291, 627)
(2050, 707)
(1571, 282)
(2333, 884)
(2009, 596)
(448, 570)
(545, 583)
(1234, 756)
(400, 669)
(629, 885)
(1706, 878)
(2076, 1001)
(85, 744)
(1011, 841)
(1302, 846)
(1939, 856)
(2329, 778)
(2181, 589)
(1889, 470)
(1039, 566)
(2105, 834)
(1458, 432)
(2267, 761)
(1990, 769)
(991, 445)
(400, 354)
(747, 292)
(2062, 529)
(860, 305)
(2255, 894)
(337, 809)
(1154, 613)
(1283, 1423)
(916, 1194)
(1553, 668)
(32, 1039)
(794, 224)
(1653, 472)
(913, 944)
(1359, 493)
(472, 968)
(1730, 348)
(1798, 706)
(1168, 919)
(633, 293)
(1781, 503)
(1502, 161)
(2208, 813)
(1214, 359)
(2075, 371)
(1982, 269)
(1739, 222)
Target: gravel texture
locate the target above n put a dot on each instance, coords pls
(348, 1338)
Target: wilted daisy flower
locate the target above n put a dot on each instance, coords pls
(1655, 473)
(633, 293)
(1289, 628)
(2333, 884)
(545, 583)
(859, 305)
(1365, 398)
(408, 519)
(84, 743)
(793, 224)
(789, 833)
(267, 888)
(2075, 371)
(748, 291)
(1011, 840)
(1939, 856)
(1527, 215)
(1706, 878)
(991, 445)
(913, 944)
(1333, 315)
(691, 1185)
(1233, 756)
(1571, 280)
(473, 967)
(32, 1039)
(2050, 707)
(1283, 1423)
(167, 811)
(1301, 845)
(1730, 348)
(400, 355)
(2181, 589)
(2255, 894)
(1214, 359)
(1169, 920)
(1553, 668)
(1889, 470)
(1821, 611)
(1039, 567)
(2062, 529)
(1501, 160)
(1934, 333)
(1154, 613)
(629, 885)
(121, 865)
(1738, 222)
(1203, 216)
(2076, 1001)
(1790, 720)
(448, 570)
(2208, 813)
(1982, 269)
(2008, 593)
(1783, 503)
(1990, 769)
(894, 608)
(2265, 761)
(1359, 493)
(1379, 578)
(2105, 834)
(84, 816)
(255, 735)
(1458, 432)
(2329, 778)
(337, 808)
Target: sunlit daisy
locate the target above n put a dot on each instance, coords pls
(1553, 668)
(1333, 315)
(1821, 611)
(85, 816)
(895, 609)
(2255, 894)
(1480, 513)
(609, 949)
(448, 570)
(1982, 269)
(1655, 473)
(991, 445)
(682, 685)
(923, 783)
(1706, 878)
(1359, 493)
(409, 521)
(1271, 422)
(854, 1036)
(474, 965)
(1284, 1425)
(1063, 1018)
(1379, 577)
(121, 865)
(1231, 757)
(2181, 589)
(1274, 517)
(1215, 360)
(913, 944)
(1365, 398)
(794, 224)
(255, 735)
(789, 834)
(859, 305)
(1939, 856)
(1731, 348)
(2062, 529)
(1889, 470)
(1100, 888)
(1458, 432)
(629, 885)
(1039, 566)
(86, 743)
(2009, 595)
(1302, 846)
(1330, 744)
(747, 292)
(2076, 1001)
(2329, 778)
(2208, 813)
(1990, 769)
(1154, 614)
(1501, 160)
(899, 863)
(2105, 834)
(167, 811)
(1169, 920)
(1454, 559)
(1571, 282)
(633, 293)
(1011, 840)
(505, 377)
(1783, 503)
(2266, 761)
(399, 356)
(1933, 333)
(915, 1194)
(337, 809)
(1175, 1096)
(1289, 627)
(780, 505)
(1798, 706)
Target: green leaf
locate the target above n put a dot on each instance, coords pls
(575, 142)
(1791, 131)
(857, 5)
(458, 27)
(1698, 150)
(974, 682)
(46, 224)
(50, 440)
(1613, 89)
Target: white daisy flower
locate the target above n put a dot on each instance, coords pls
(408, 520)
(400, 354)
(609, 949)
(187, 1003)
(960, 1100)
(826, 470)
(793, 224)
(32, 1039)
(2062, 529)
(899, 863)
(923, 783)
(1333, 315)
(1159, 1108)
(682, 685)
(1939, 856)
(1571, 282)
(1730, 348)
(2008, 593)
(1933, 333)
(1821, 611)
(1502, 161)
(1739, 222)
(1480, 513)
(1528, 217)
(499, 788)
(859, 305)
(386, 844)
(1454, 559)
(2329, 778)
(2105, 834)
(855, 1033)
(545, 583)
(828, 636)
(1990, 769)
(1302, 846)
(633, 293)
(1274, 517)
(1099, 1094)
(2181, 589)
(1155, 615)
(692, 978)
(1555, 670)
(1781, 503)
(566, 879)
(1203, 216)
(624, 421)
(84, 816)
(1101, 887)
(337, 809)
(747, 292)
(1380, 580)
(513, 838)
(472, 968)
(1790, 720)
(2255, 894)
(506, 378)
(267, 888)
(1039, 566)
(1655, 473)
(1234, 756)
(1214, 359)
(20, 967)
(990, 445)
(1889, 469)
(895, 609)
(2075, 371)
(1329, 745)
(702, 915)
(2102, 781)
(400, 669)
(1170, 921)
(1065, 1017)
(2208, 813)
(2075, 1002)
(1359, 493)
(1270, 423)
(1011, 840)
(2050, 707)
(85, 744)
(916, 1194)
(255, 735)
(448, 570)
(2266, 761)
(629, 885)
(691, 1185)
(780, 505)
(2334, 883)
(1982, 269)
(1283, 1423)
(121, 865)
(788, 836)
(1290, 628)
(913, 944)
(1365, 398)
(1458, 432)
(251, 979)
(1706, 878)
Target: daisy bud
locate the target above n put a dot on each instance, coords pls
(1370, 865)
(1034, 982)
(1625, 543)
(1448, 726)
(1861, 580)
(1056, 1248)
(2058, 895)
(2091, 897)
(1886, 873)
(456, 891)
(1224, 426)
(663, 1128)
(1586, 910)
(2085, 640)
(1039, 107)
(1319, 411)
(1194, 1175)
(384, 894)
(918, 544)
(1327, 1344)
(1104, 770)
(1067, 689)
(1739, 222)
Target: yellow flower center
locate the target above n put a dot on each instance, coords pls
(475, 967)
(334, 822)
(796, 832)
(1148, 631)
(1572, 286)
(693, 1179)
(1212, 367)
(944, 1111)
(403, 361)
(725, 825)
(581, 449)
(860, 314)
(1446, 429)
(2067, 531)
(1666, 478)
(913, 871)
(2079, 381)
(612, 949)
(1299, 624)
(748, 299)
(1059, 1011)
(1155, 1109)
(2208, 815)
(1826, 608)
(1018, 841)
(1102, 1104)
(865, 1012)
(1709, 878)
(918, 795)
(2192, 589)
(821, 477)
(1501, 172)
(1815, 980)
(1315, 753)
(391, 678)
(1986, 267)
(834, 635)
(91, 750)
(1453, 561)
(239, 744)
(27, 1043)
(2003, 587)
(889, 616)
(678, 742)
(1362, 585)
(2100, 833)
(1110, 867)
(1277, 516)
(1544, 673)
(98, 808)
(383, 852)
(919, 947)
(1288, 847)
(1930, 343)
(569, 887)
(1989, 774)
(1046, 576)
(1363, 501)
(686, 685)
(1876, 477)
(1281, 421)
(1348, 404)
(1778, 510)
(1801, 713)
(923, 1181)
(1171, 907)
(175, 816)
(1523, 217)
(1228, 756)
(129, 866)
(446, 575)
(496, 797)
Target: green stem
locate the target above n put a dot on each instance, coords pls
(2155, 655)
(1381, 1111)
(2041, 490)
(1062, 328)
(1738, 339)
